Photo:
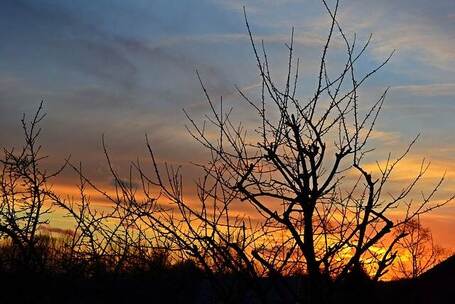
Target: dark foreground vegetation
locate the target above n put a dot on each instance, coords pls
(59, 280)
(324, 226)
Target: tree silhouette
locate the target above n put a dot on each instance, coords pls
(296, 170)
(418, 250)
(322, 216)
(25, 194)
(320, 211)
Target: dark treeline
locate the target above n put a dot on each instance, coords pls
(320, 213)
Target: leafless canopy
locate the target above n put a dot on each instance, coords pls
(322, 211)
(318, 210)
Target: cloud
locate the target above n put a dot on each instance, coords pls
(409, 168)
(124, 183)
(437, 89)
(57, 230)
(252, 6)
(418, 30)
(307, 39)
(385, 137)
(125, 69)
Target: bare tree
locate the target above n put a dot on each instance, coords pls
(137, 227)
(25, 191)
(297, 167)
(319, 210)
(418, 252)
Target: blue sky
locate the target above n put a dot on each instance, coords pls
(126, 68)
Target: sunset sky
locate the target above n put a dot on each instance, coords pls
(127, 68)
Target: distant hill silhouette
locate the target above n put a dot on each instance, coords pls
(436, 285)
(441, 272)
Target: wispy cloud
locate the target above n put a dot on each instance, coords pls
(127, 68)
(437, 89)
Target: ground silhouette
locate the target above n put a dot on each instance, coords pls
(158, 282)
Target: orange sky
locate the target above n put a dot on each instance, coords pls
(127, 69)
